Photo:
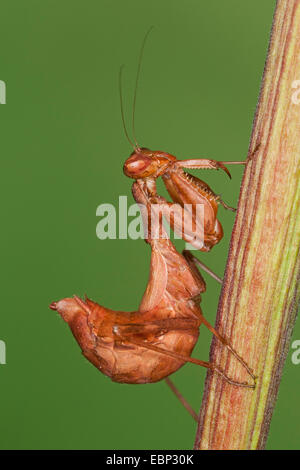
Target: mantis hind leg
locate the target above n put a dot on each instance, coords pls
(181, 398)
(185, 359)
(125, 334)
(227, 344)
(193, 261)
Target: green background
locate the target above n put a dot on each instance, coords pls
(62, 151)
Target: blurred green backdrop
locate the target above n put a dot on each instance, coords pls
(62, 151)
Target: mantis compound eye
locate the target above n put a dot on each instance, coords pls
(137, 166)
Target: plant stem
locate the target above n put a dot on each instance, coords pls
(260, 294)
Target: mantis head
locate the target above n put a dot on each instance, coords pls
(144, 163)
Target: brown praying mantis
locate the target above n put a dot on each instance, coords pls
(150, 344)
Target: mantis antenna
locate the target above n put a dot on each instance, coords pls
(137, 82)
(122, 108)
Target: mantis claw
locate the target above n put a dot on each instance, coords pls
(224, 168)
